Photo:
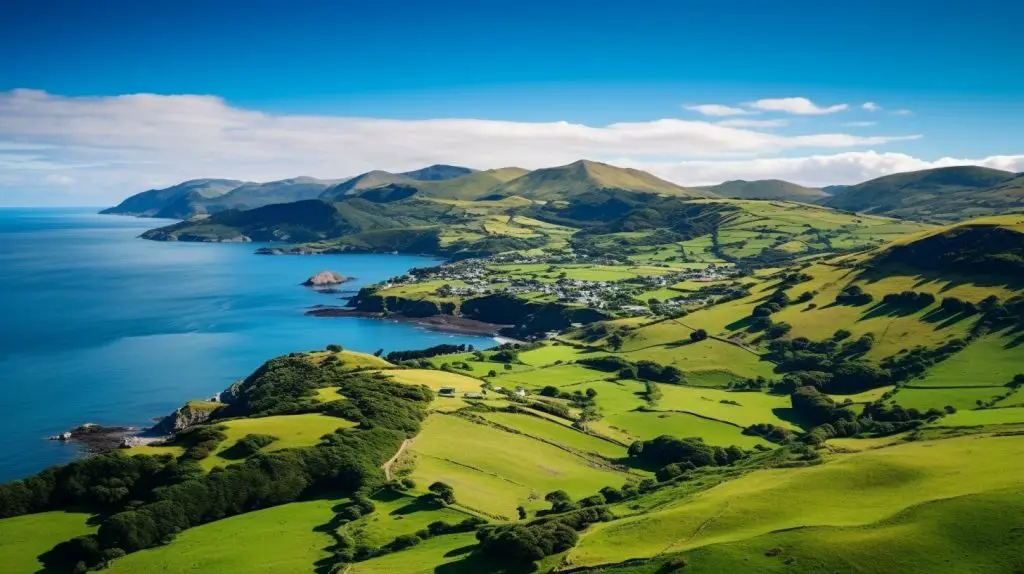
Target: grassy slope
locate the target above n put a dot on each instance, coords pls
(582, 176)
(24, 538)
(885, 481)
(278, 539)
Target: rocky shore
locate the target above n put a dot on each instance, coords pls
(446, 323)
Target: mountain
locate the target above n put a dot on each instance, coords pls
(469, 187)
(154, 202)
(833, 189)
(564, 182)
(252, 195)
(378, 178)
(942, 194)
(766, 189)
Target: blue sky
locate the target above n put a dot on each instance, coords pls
(950, 69)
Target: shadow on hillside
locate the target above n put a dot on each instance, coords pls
(420, 504)
(883, 309)
(789, 415)
(943, 319)
(475, 563)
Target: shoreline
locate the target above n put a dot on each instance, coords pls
(443, 323)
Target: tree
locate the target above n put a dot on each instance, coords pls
(522, 512)
(549, 391)
(698, 335)
(508, 367)
(615, 341)
(591, 393)
(492, 373)
(443, 492)
(378, 352)
(560, 501)
(335, 348)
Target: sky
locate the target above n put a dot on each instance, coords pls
(100, 99)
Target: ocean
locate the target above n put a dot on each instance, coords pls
(97, 325)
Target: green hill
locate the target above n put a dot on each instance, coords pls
(567, 181)
(173, 202)
(766, 189)
(470, 187)
(942, 194)
(377, 178)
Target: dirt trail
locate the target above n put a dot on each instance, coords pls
(387, 465)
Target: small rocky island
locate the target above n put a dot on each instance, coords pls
(326, 279)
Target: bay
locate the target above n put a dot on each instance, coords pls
(97, 325)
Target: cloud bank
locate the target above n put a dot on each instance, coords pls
(97, 150)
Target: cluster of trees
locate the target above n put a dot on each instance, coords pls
(908, 364)
(854, 295)
(911, 299)
(673, 456)
(770, 432)
(524, 543)
(443, 349)
(201, 441)
(155, 498)
(641, 370)
(249, 445)
(833, 420)
(983, 251)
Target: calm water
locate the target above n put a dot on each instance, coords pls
(99, 326)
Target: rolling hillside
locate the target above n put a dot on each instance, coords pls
(766, 189)
(567, 181)
(943, 194)
(377, 178)
(172, 202)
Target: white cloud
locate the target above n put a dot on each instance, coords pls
(871, 106)
(115, 146)
(902, 113)
(798, 106)
(754, 123)
(859, 124)
(815, 170)
(718, 110)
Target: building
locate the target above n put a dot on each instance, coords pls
(446, 392)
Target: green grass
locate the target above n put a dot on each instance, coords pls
(24, 538)
(850, 490)
(986, 362)
(645, 425)
(961, 399)
(865, 397)
(558, 375)
(439, 554)
(290, 430)
(754, 407)
(555, 433)
(397, 514)
(551, 352)
(494, 471)
(278, 539)
(936, 537)
(998, 416)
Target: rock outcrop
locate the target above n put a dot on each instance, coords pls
(325, 279)
(188, 416)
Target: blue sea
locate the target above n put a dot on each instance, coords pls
(97, 325)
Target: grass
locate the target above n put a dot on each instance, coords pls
(549, 353)
(645, 425)
(558, 375)
(24, 538)
(438, 554)
(865, 397)
(397, 514)
(997, 416)
(754, 407)
(961, 399)
(986, 362)
(850, 490)
(936, 537)
(495, 471)
(562, 435)
(290, 430)
(351, 360)
(279, 539)
(437, 379)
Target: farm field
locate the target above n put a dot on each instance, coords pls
(439, 554)
(754, 407)
(549, 353)
(487, 468)
(278, 539)
(557, 375)
(559, 434)
(937, 398)
(986, 362)
(982, 417)
(886, 481)
(397, 514)
(645, 425)
(24, 538)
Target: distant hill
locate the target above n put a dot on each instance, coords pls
(766, 189)
(377, 178)
(567, 181)
(834, 189)
(154, 202)
(942, 194)
(472, 186)
(207, 196)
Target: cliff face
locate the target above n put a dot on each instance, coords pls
(186, 417)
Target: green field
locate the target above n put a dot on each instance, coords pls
(397, 514)
(553, 432)
(958, 398)
(986, 362)
(549, 353)
(754, 407)
(557, 375)
(641, 425)
(884, 481)
(24, 538)
(982, 417)
(279, 539)
(490, 473)
(439, 554)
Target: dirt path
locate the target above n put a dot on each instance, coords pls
(387, 465)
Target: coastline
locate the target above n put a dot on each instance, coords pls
(443, 323)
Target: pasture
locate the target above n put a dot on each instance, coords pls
(24, 538)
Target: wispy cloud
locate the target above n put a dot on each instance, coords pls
(100, 149)
(754, 123)
(719, 110)
(797, 106)
(864, 124)
(871, 106)
(902, 112)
